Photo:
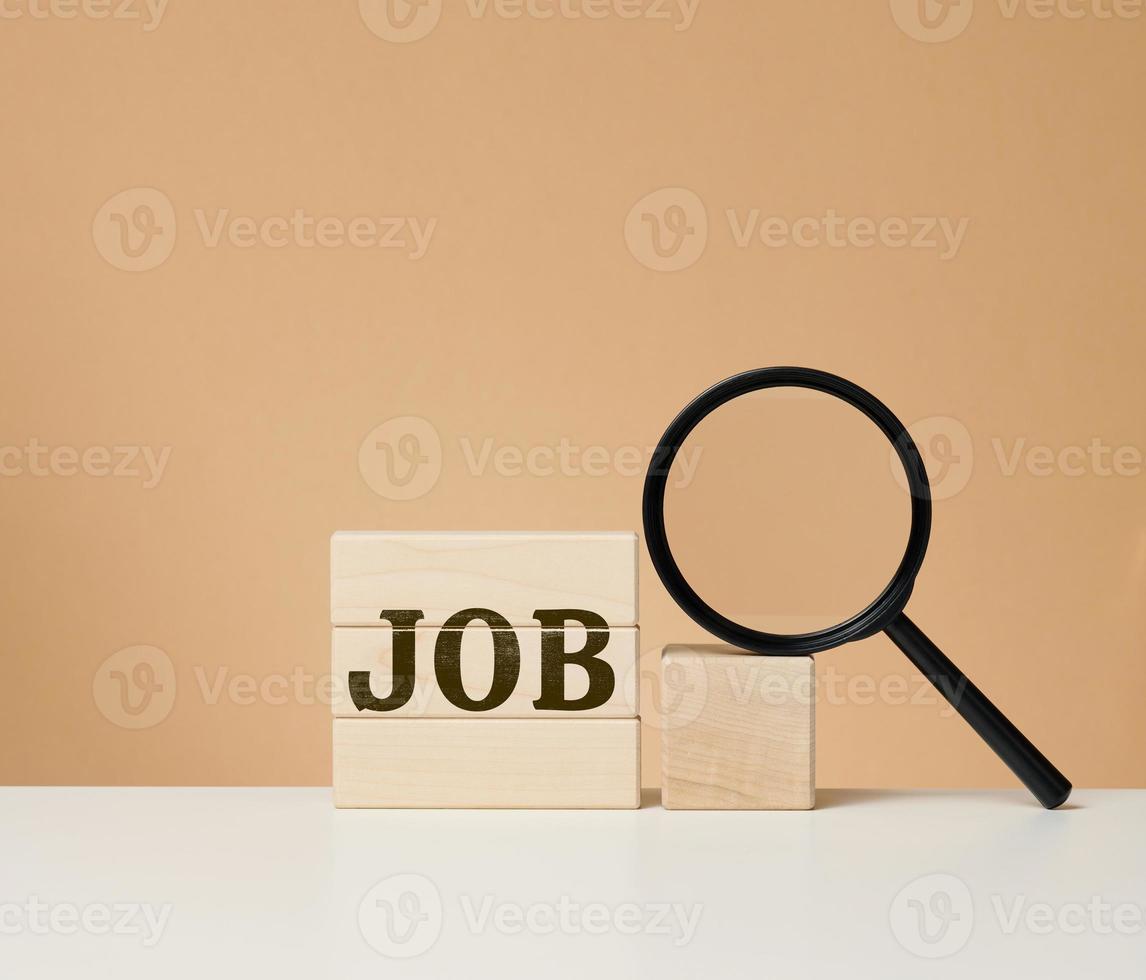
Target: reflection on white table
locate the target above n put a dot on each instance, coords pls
(162, 882)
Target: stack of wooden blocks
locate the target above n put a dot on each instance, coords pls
(481, 669)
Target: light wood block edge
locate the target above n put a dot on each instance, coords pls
(510, 763)
(511, 572)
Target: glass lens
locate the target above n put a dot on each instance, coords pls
(786, 512)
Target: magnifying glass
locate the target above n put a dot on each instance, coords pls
(883, 614)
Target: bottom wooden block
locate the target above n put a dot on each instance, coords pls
(738, 731)
(590, 763)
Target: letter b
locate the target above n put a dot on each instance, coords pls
(554, 657)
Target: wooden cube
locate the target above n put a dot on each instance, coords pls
(365, 686)
(497, 762)
(738, 730)
(514, 573)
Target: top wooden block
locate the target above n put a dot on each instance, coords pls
(513, 573)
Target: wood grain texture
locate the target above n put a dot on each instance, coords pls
(513, 573)
(371, 648)
(591, 763)
(738, 730)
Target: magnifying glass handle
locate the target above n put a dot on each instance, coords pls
(1050, 787)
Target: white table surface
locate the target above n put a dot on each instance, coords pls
(276, 882)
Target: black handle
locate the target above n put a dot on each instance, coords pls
(1050, 787)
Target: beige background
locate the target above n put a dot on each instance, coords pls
(533, 317)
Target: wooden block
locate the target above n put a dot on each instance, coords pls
(738, 730)
(513, 573)
(363, 663)
(495, 762)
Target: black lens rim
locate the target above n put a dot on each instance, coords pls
(874, 617)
